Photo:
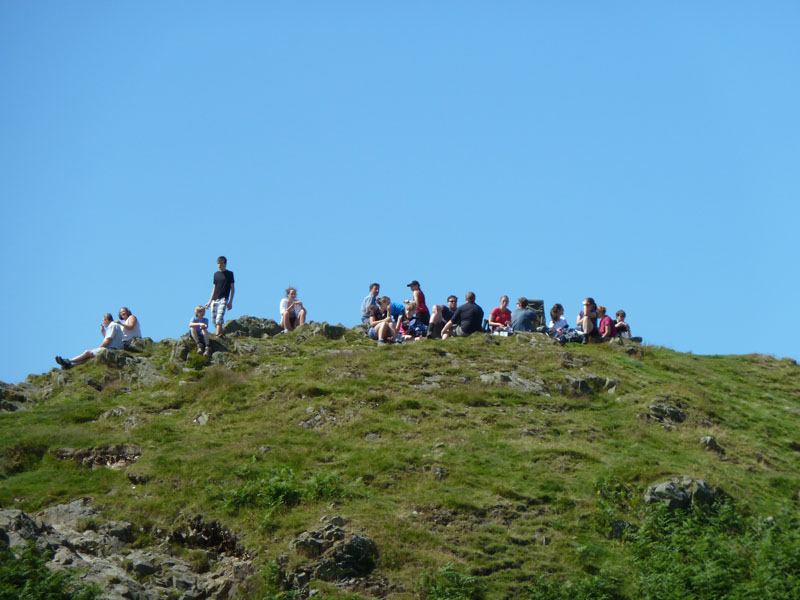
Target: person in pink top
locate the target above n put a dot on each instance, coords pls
(607, 328)
(500, 316)
(423, 313)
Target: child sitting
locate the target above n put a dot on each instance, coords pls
(198, 329)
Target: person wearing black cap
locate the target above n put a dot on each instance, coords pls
(423, 314)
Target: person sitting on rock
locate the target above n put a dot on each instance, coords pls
(381, 327)
(440, 315)
(500, 316)
(130, 326)
(112, 339)
(198, 329)
(467, 319)
(293, 313)
(623, 329)
(587, 320)
(606, 328)
(370, 300)
(523, 318)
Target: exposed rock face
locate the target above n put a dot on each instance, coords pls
(113, 457)
(517, 382)
(682, 492)
(102, 552)
(13, 397)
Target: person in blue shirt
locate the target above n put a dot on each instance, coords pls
(198, 329)
(370, 300)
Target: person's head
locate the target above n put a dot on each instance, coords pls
(385, 301)
(522, 302)
(556, 311)
(222, 262)
(291, 293)
(469, 297)
(601, 310)
(199, 311)
(107, 318)
(411, 308)
(374, 311)
(414, 285)
(621, 315)
(374, 288)
(503, 301)
(588, 304)
(452, 301)
(124, 313)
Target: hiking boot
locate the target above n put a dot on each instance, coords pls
(199, 348)
(207, 353)
(64, 362)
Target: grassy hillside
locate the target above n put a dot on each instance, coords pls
(479, 466)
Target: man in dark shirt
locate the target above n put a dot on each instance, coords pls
(441, 314)
(467, 319)
(222, 294)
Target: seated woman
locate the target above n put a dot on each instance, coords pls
(381, 327)
(292, 311)
(587, 320)
(606, 327)
(409, 327)
(557, 321)
(130, 326)
(500, 316)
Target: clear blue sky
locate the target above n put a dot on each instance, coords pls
(644, 154)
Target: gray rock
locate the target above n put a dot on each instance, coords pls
(251, 326)
(354, 558)
(578, 385)
(665, 412)
(682, 492)
(141, 563)
(516, 381)
(709, 443)
(140, 344)
(313, 329)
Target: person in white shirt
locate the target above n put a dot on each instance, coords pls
(130, 326)
(293, 313)
(112, 339)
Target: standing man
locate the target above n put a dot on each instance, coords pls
(222, 294)
(467, 319)
(370, 300)
(112, 338)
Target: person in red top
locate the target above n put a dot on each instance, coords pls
(607, 328)
(423, 314)
(500, 316)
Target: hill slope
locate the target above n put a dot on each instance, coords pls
(517, 463)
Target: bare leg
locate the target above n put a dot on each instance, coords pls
(286, 322)
(301, 318)
(82, 358)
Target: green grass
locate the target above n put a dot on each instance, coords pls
(518, 494)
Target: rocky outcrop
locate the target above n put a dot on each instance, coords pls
(112, 457)
(682, 492)
(13, 397)
(101, 551)
(251, 327)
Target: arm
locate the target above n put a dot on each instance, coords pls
(128, 323)
(211, 298)
(230, 300)
(448, 326)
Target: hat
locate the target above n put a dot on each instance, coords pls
(415, 282)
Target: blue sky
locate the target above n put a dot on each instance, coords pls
(646, 155)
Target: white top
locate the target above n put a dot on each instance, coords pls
(114, 332)
(129, 334)
(285, 305)
(560, 324)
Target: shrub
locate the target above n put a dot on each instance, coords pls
(24, 576)
(451, 583)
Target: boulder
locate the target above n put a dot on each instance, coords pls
(355, 558)
(251, 326)
(313, 329)
(682, 492)
(709, 443)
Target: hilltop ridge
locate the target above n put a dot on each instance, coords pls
(479, 467)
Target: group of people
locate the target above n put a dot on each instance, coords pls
(388, 322)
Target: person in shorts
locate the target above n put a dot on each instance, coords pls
(292, 311)
(198, 329)
(467, 319)
(112, 339)
(441, 314)
(222, 294)
(130, 326)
